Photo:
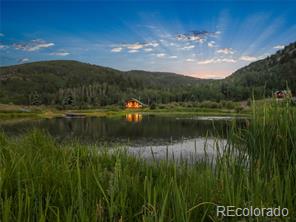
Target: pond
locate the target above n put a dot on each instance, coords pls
(145, 135)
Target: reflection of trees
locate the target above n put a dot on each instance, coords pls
(151, 128)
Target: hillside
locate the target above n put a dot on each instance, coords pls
(55, 82)
(275, 72)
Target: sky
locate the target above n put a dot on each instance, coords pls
(204, 39)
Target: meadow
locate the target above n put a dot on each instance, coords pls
(42, 180)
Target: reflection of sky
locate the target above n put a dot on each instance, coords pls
(202, 39)
(189, 149)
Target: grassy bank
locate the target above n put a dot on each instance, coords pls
(41, 180)
(8, 112)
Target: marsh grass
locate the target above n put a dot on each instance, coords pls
(41, 180)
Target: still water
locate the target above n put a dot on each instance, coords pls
(143, 134)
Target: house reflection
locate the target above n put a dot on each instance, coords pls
(134, 117)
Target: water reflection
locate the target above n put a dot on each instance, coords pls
(188, 149)
(156, 132)
(134, 117)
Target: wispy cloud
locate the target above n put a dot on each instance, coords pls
(152, 44)
(173, 57)
(225, 51)
(189, 60)
(148, 49)
(279, 47)
(160, 55)
(23, 60)
(248, 58)
(1, 35)
(147, 26)
(133, 51)
(207, 61)
(188, 47)
(34, 45)
(116, 49)
(197, 36)
(135, 47)
(3, 46)
(211, 44)
(216, 60)
(60, 53)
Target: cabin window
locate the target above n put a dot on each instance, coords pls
(133, 104)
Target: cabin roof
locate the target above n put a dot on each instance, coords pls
(135, 100)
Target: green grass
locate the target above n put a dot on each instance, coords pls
(41, 180)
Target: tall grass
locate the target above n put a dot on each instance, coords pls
(41, 180)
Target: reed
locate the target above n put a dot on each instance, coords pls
(41, 180)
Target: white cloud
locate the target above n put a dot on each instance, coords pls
(3, 46)
(279, 47)
(207, 61)
(135, 47)
(189, 60)
(226, 61)
(226, 51)
(248, 58)
(197, 36)
(60, 53)
(24, 60)
(188, 47)
(214, 61)
(191, 37)
(40, 46)
(173, 57)
(153, 44)
(148, 49)
(211, 44)
(116, 49)
(133, 51)
(34, 45)
(161, 55)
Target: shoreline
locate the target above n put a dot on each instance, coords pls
(49, 112)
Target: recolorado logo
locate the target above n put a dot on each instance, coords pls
(232, 211)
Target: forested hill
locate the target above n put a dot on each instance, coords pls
(275, 72)
(79, 84)
(72, 82)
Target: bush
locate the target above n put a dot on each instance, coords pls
(153, 106)
(210, 104)
(228, 104)
(162, 106)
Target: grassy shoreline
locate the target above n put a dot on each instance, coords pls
(8, 112)
(45, 181)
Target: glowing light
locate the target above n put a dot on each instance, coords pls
(134, 117)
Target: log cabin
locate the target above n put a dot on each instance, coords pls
(134, 104)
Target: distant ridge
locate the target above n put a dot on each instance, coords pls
(267, 75)
(46, 78)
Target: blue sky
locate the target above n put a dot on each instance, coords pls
(206, 39)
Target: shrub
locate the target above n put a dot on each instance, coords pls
(153, 106)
